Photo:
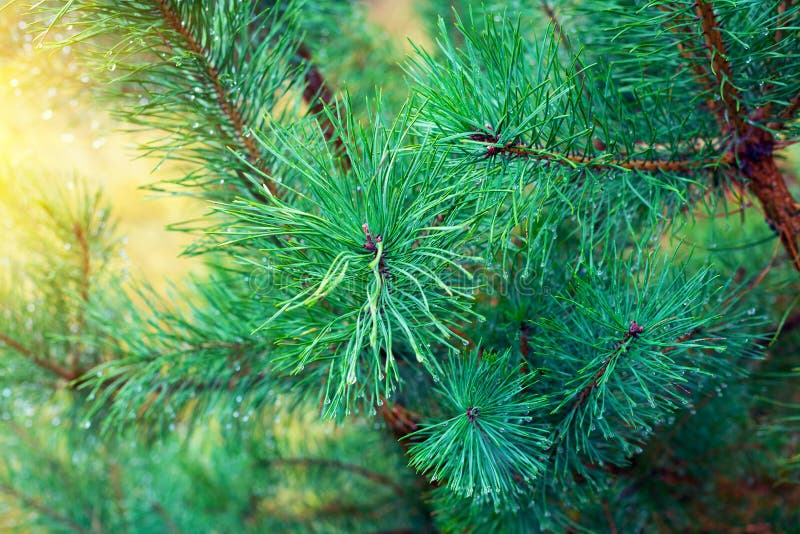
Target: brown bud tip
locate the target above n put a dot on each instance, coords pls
(598, 144)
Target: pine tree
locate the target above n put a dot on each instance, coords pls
(542, 277)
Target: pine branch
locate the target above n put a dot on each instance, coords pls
(757, 163)
(49, 365)
(754, 146)
(621, 347)
(603, 161)
(43, 509)
(719, 64)
(782, 7)
(85, 252)
(725, 110)
(331, 463)
(164, 515)
(399, 420)
(701, 76)
(486, 428)
(791, 323)
(562, 35)
(612, 527)
(791, 109)
(223, 98)
(318, 94)
(86, 258)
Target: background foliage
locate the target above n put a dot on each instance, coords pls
(520, 282)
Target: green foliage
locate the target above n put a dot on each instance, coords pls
(487, 446)
(517, 269)
(370, 256)
(83, 482)
(621, 380)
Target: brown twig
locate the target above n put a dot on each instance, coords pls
(599, 161)
(720, 67)
(115, 478)
(223, 98)
(363, 472)
(317, 93)
(562, 35)
(86, 258)
(754, 147)
(757, 164)
(55, 368)
(612, 526)
(399, 420)
(44, 510)
(699, 72)
(524, 345)
(685, 337)
(634, 329)
(168, 521)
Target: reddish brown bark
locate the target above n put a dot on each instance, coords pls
(754, 147)
(757, 164)
(317, 93)
(223, 98)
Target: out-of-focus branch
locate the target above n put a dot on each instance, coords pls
(43, 509)
(363, 472)
(53, 367)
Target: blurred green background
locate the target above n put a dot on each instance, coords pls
(53, 131)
